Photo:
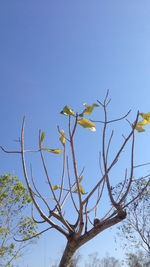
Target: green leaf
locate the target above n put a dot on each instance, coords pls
(67, 111)
(55, 187)
(87, 124)
(55, 151)
(62, 137)
(42, 137)
(13, 200)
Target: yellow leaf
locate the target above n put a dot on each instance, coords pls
(62, 137)
(76, 190)
(143, 122)
(80, 179)
(81, 190)
(67, 111)
(42, 137)
(89, 108)
(87, 124)
(145, 116)
(56, 151)
(139, 128)
(55, 187)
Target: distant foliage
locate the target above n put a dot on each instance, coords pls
(135, 230)
(140, 259)
(14, 198)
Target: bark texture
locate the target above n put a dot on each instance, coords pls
(70, 250)
(73, 244)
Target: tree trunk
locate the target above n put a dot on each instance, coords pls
(74, 243)
(70, 250)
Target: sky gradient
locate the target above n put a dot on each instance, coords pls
(54, 53)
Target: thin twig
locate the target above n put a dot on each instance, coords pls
(86, 217)
(109, 142)
(33, 236)
(141, 165)
(138, 195)
(114, 120)
(30, 190)
(34, 218)
(39, 195)
(63, 173)
(100, 165)
(58, 207)
(6, 151)
(105, 156)
(114, 161)
(99, 198)
(75, 173)
(70, 188)
(62, 134)
(131, 173)
(66, 196)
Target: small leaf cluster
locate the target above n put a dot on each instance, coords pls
(67, 111)
(140, 124)
(80, 187)
(55, 151)
(83, 122)
(27, 227)
(12, 191)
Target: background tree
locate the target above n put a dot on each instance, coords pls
(135, 230)
(89, 211)
(107, 261)
(75, 260)
(140, 259)
(14, 198)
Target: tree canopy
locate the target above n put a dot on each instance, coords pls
(14, 198)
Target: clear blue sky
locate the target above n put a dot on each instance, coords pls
(54, 53)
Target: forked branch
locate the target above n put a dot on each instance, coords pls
(86, 208)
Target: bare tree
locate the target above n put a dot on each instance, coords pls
(85, 205)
